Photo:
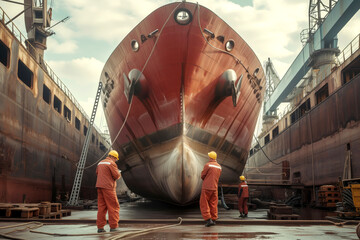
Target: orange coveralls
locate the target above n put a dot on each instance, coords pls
(243, 195)
(209, 191)
(107, 173)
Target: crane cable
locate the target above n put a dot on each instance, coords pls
(127, 114)
(265, 153)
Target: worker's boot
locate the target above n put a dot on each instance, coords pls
(241, 215)
(101, 230)
(114, 229)
(245, 215)
(209, 223)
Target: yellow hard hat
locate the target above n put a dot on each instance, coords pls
(114, 154)
(242, 178)
(212, 155)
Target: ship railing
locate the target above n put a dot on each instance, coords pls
(22, 39)
(264, 182)
(5, 19)
(346, 53)
(268, 175)
(349, 50)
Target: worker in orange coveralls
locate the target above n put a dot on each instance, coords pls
(107, 173)
(209, 191)
(243, 195)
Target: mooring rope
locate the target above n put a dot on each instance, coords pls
(116, 235)
(5, 235)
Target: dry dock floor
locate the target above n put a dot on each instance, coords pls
(150, 221)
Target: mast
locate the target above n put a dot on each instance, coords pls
(37, 20)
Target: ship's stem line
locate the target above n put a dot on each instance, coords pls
(142, 70)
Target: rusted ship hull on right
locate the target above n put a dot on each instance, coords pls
(319, 140)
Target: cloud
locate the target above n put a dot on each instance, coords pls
(80, 75)
(87, 104)
(271, 28)
(107, 20)
(57, 47)
(268, 27)
(350, 31)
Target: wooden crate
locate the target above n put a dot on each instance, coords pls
(55, 207)
(45, 208)
(55, 215)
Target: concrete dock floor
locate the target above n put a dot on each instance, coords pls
(148, 220)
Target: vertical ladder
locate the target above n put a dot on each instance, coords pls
(74, 197)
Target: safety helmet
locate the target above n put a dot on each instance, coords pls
(212, 155)
(114, 154)
(242, 178)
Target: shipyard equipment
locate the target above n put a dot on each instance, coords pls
(325, 21)
(74, 197)
(350, 194)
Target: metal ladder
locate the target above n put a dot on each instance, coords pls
(74, 197)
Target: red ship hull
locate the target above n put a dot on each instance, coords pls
(181, 95)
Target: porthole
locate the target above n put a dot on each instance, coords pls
(183, 16)
(229, 45)
(134, 45)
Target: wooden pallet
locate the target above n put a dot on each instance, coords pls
(328, 188)
(348, 214)
(46, 216)
(55, 215)
(31, 210)
(24, 212)
(65, 212)
(329, 205)
(281, 210)
(282, 216)
(5, 210)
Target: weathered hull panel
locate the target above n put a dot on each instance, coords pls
(180, 110)
(317, 145)
(39, 147)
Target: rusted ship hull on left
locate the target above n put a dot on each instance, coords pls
(42, 128)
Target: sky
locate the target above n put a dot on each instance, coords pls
(81, 45)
